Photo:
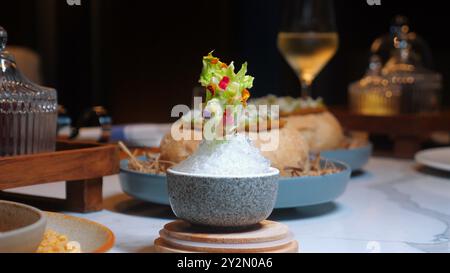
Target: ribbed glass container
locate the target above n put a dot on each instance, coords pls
(28, 112)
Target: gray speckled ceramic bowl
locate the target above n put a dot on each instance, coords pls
(21, 228)
(222, 202)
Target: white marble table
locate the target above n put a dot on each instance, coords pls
(392, 207)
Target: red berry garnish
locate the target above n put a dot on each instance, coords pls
(224, 83)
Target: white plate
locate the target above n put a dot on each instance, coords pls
(435, 158)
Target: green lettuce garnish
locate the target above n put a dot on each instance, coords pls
(227, 92)
(223, 83)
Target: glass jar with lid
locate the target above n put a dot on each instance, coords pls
(28, 112)
(374, 94)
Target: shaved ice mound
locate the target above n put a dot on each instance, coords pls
(236, 156)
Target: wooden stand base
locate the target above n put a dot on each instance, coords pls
(81, 165)
(408, 131)
(266, 237)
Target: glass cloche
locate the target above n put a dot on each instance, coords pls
(420, 87)
(384, 46)
(28, 112)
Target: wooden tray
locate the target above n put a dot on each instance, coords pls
(81, 164)
(408, 131)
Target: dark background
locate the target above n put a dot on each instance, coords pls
(140, 58)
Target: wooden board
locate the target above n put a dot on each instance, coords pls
(267, 237)
(404, 124)
(74, 162)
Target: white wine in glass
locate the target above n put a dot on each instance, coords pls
(308, 38)
(307, 53)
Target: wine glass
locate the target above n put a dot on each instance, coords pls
(308, 38)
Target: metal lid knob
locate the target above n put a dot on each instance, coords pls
(3, 38)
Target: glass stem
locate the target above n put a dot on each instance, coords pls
(306, 88)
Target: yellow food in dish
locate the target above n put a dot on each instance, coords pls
(55, 242)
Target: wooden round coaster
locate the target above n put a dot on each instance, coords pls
(267, 237)
(266, 231)
(162, 247)
(229, 248)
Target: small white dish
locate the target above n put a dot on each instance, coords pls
(93, 237)
(438, 158)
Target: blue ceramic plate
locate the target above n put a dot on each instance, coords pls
(356, 158)
(145, 187)
(309, 190)
(293, 192)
